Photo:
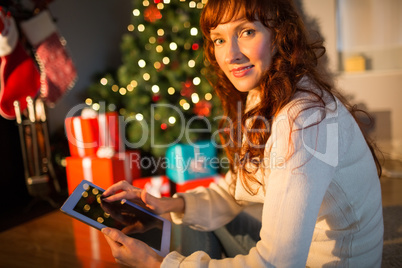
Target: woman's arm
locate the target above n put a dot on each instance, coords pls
(207, 209)
(124, 190)
(295, 185)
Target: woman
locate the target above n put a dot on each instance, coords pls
(296, 149)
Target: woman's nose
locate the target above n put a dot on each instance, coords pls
(233, 53)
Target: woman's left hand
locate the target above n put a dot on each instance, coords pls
(130, 251)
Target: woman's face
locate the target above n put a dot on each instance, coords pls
(243, 51)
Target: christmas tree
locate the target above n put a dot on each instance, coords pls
(160, 88)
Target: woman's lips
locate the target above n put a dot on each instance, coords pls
(242, 71)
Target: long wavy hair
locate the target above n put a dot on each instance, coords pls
(294, 57)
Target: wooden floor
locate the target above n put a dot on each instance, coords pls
(56, 240)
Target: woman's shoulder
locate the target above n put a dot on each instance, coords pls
(309, 107)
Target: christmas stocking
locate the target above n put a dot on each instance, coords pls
(58, 73)
(19, 76)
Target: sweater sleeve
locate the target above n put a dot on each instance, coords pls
(209, 208)
(297, 173)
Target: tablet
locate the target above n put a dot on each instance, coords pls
(85, 204)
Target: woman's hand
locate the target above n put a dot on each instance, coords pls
(130, 251)
(124, 190)
(127, 250)
(133, 222)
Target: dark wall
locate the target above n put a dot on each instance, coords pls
(93, 30)
(12, 183)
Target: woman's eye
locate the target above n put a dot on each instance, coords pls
(248, 32)
(218, 41)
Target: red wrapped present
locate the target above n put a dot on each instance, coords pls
(89, 132)
(83, 135)
(109, 131)
(157, 185)
(188, 185)
(102, 171)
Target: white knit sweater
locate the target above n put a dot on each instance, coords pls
(321, 208)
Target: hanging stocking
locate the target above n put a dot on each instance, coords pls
(58, 73)
(19, 76)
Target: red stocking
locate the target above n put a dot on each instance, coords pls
(58, 73)
(19, 76)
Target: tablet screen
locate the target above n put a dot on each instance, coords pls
(130, 220)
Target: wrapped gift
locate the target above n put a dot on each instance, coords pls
(102, 171)
(82, 135)
(109, 131)
(189, 185)
(189, 162)
(157, 185)
(90, 131)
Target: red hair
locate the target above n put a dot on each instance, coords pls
(294, 57)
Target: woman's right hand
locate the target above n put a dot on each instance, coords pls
(124, 190)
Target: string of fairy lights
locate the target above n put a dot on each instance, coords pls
(184, 103)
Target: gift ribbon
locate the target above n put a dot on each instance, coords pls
(127, 169)
(79, 139)
(103, 131)
(157, 186)
(108, 131)
(87, 168)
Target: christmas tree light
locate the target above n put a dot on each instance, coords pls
(162, 64)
